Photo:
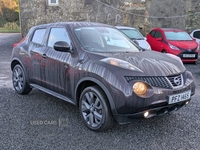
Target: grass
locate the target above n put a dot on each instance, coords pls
(6, 30)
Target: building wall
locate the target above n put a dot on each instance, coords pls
(141, 14)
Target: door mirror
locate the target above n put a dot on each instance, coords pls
(158, 39)
(62, 46)
(136, 42)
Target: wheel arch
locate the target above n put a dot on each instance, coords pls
(89, 81)
(24, 88)
(163, 51)
(18, 62)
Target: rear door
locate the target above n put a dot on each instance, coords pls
(37, 49)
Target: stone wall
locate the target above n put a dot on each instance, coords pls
(141, 14)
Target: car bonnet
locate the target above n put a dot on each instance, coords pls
(184, 44)
(152, 63)
(143, 43)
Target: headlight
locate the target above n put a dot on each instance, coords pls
(197, 47)
(140, 88)
(149, 47)
(121, 63)
(173, 47)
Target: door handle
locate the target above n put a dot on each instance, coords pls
(44, 56)
(66, 66)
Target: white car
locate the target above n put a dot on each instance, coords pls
(135, 35)
(196, 35)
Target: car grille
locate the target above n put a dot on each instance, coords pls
(176, 81)
(161, 82)
(192, 50)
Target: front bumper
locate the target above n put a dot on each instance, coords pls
(189, 59)
(157, 111)
(127, 106)
(183, 55)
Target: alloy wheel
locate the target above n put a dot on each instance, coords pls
(92, 109)
(18, 79)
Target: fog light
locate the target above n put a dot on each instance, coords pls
(146, 114)
(187, 102)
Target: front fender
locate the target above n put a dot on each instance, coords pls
(102, 86)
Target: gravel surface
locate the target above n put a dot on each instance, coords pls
(40, 121)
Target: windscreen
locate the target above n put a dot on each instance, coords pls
(133, 34)
(177, 36)
(104, 39)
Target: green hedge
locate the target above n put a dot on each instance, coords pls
(4, 30)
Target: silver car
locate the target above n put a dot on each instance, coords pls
(135, 35)
(196, 35)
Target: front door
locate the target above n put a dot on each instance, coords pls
(57, 63)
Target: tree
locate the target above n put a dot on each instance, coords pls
(9, 10)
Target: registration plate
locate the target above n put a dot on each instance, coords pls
(189, 55)
(179, 97)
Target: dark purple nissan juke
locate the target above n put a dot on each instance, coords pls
(99, 69)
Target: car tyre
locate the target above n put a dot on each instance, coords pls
(164, 51)
(19, 80)
(95, 110)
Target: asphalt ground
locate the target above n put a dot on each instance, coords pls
(40, 121)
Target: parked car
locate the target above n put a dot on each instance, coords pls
(97, 68)
(196, 35)
(135, 35)
(174, 41)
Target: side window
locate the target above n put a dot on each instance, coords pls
(58, 34)
(196, 34)
(158, 34)
(152, 33)
(38, 36)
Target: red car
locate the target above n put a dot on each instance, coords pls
(174, 41)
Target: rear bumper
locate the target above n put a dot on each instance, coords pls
(158, 111)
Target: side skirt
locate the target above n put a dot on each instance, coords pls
(52, 93)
